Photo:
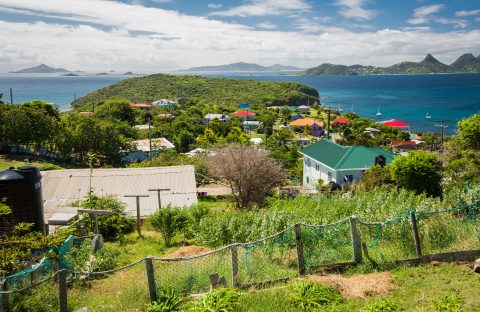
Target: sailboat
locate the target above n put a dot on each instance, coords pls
(378, 111)
(427, 116)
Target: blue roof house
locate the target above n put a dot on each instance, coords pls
(332, 162)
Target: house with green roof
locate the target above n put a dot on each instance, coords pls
(332, 162)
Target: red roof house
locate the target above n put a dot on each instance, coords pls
(244, 113)
(396, 124)
(341, 120)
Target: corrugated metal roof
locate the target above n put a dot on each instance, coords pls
(340, 157)
(62, 187)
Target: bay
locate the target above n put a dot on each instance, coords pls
(408, 98)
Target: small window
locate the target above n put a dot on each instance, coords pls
(308, 180)
(317, 167)
(329, 176)
(348, 178)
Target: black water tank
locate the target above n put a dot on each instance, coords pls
(21, 189)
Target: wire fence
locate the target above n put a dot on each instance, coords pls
(297, 250)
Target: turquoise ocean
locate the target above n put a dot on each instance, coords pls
(405, 97)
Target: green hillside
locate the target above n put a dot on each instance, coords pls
(226, 92)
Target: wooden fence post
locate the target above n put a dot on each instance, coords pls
(356, 241)
(234, 251)
(298, 239)
(5, 302)
(33, 277)
(416, 237)
(152, 288)
(62, 290)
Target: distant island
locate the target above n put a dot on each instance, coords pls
(40, 69)
(101, 74)
(70, 75)
(466, 63)
(242, 67)
(232, 92)
(129, 73)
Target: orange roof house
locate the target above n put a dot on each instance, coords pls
(306, 122)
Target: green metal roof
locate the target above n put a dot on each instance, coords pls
(340, 157)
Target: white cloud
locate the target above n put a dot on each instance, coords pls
(425, 14)
(171, 40)
(355, 9)
(265, 8)
(427, 10)
(266, 25)
(215, 5)
(467, 13)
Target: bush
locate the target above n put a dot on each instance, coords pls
(307, 295)
(83, 260)
(218, 300)
(419, 171)
(385, 305)
(375, 176)
(169, 221)
(168, 301)
(112, 226)
(448, 304)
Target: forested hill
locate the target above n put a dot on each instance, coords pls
(225, 92)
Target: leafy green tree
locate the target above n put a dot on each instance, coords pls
(116, 109)
(375, 177)
(469, 130)
(418, 171)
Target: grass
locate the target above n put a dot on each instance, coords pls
(417, 290)
(43, 163)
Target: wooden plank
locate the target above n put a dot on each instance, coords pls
(235, 276)
(416, 237)
(356, 241)
(152, 288)
(300, 258)
(5, 299)
(62, 290)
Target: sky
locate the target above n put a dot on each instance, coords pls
(166, 35)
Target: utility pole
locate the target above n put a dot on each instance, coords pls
(442, 127)
(150, 136)
(328, 123)
(158, 190)
(11, 96)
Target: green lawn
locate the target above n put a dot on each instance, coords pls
(415, 287)
(40, 162)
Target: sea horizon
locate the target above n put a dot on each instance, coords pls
(399, 96)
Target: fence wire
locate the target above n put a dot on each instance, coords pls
(327, 244)
(388, 241)
(269, 259)
(192, 274)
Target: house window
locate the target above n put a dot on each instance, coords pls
(317, 167)
(329, 176)
(307, 162)
(308, 180)
(348, 178)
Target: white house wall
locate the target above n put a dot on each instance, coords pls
(313, 174)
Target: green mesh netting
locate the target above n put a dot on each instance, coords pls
(327, 244)
(456, 229)
(269, 259)
(191, 275)
(388, 241)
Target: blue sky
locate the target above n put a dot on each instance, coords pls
(163, 35)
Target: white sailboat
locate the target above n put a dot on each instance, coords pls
(427, 116)
(378, 111)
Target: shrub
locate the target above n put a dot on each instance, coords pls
(169, 221)
(218, 300)
(168, 300)
(384, 305)
(448, 304)
(112, 226)
(83, 260)
(419, 171)
(307, 295)
(376, 176)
